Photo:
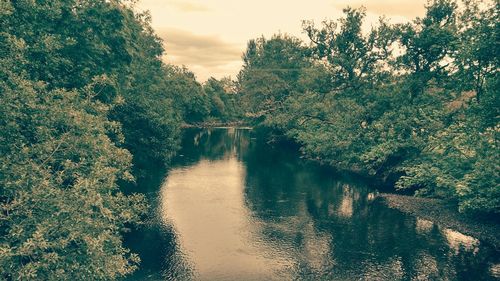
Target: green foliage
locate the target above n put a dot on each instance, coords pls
(82, 85)
(270, 74)
(461, 161)
(69, 42)
(146, 106)
(188, 94)
(223, 99)
(414, 104)
(353, 59)
(478, 58)
(61, 210)
(151, 128)
(429, 44)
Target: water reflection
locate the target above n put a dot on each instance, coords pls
(238, 209)
(495, 270)
(215, 231)
(460, 242)
(423, 226)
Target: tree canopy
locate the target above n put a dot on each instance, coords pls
(86, 102)
(414, 105)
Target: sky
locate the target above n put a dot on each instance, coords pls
(210, 36)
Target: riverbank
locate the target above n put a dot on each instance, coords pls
(214, 124)
(445, 214)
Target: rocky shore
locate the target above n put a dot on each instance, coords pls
(445, 214)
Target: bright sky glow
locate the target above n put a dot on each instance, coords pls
(209, 36)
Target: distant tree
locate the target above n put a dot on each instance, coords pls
(223, 99)
(270, 74)
(187, 93)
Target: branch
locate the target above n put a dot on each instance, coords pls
(54, 151)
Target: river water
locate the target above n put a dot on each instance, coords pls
(232, 207)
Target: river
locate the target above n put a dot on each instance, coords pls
(232, 207)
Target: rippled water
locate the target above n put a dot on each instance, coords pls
(235, 208)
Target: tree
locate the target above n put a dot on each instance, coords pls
(222, 99)
(429, 44)
(61, 209)
(478, 51)
(352, 59)
(187, 93)
(395, 102)
(71, 44)
(270, 74)
(460, 161)
(75, 75)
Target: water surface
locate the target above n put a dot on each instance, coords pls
(235, 208)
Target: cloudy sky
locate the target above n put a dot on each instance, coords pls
(209, 36)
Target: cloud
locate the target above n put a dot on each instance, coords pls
(407, 9)
(205, 54)
(186, 6)
(179, 5)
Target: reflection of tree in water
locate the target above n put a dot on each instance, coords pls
(336, 230)
(154, 241)
(155, 244)
(211, 144)
(314, 223)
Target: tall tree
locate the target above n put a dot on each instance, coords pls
(352, 58)
(270, 73)
(477, 56)
(429, 44)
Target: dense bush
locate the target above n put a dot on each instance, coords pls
(413, 104)
(84, 96)
(61, 208)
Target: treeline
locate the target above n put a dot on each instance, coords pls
(85, 102)
(415, 105)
